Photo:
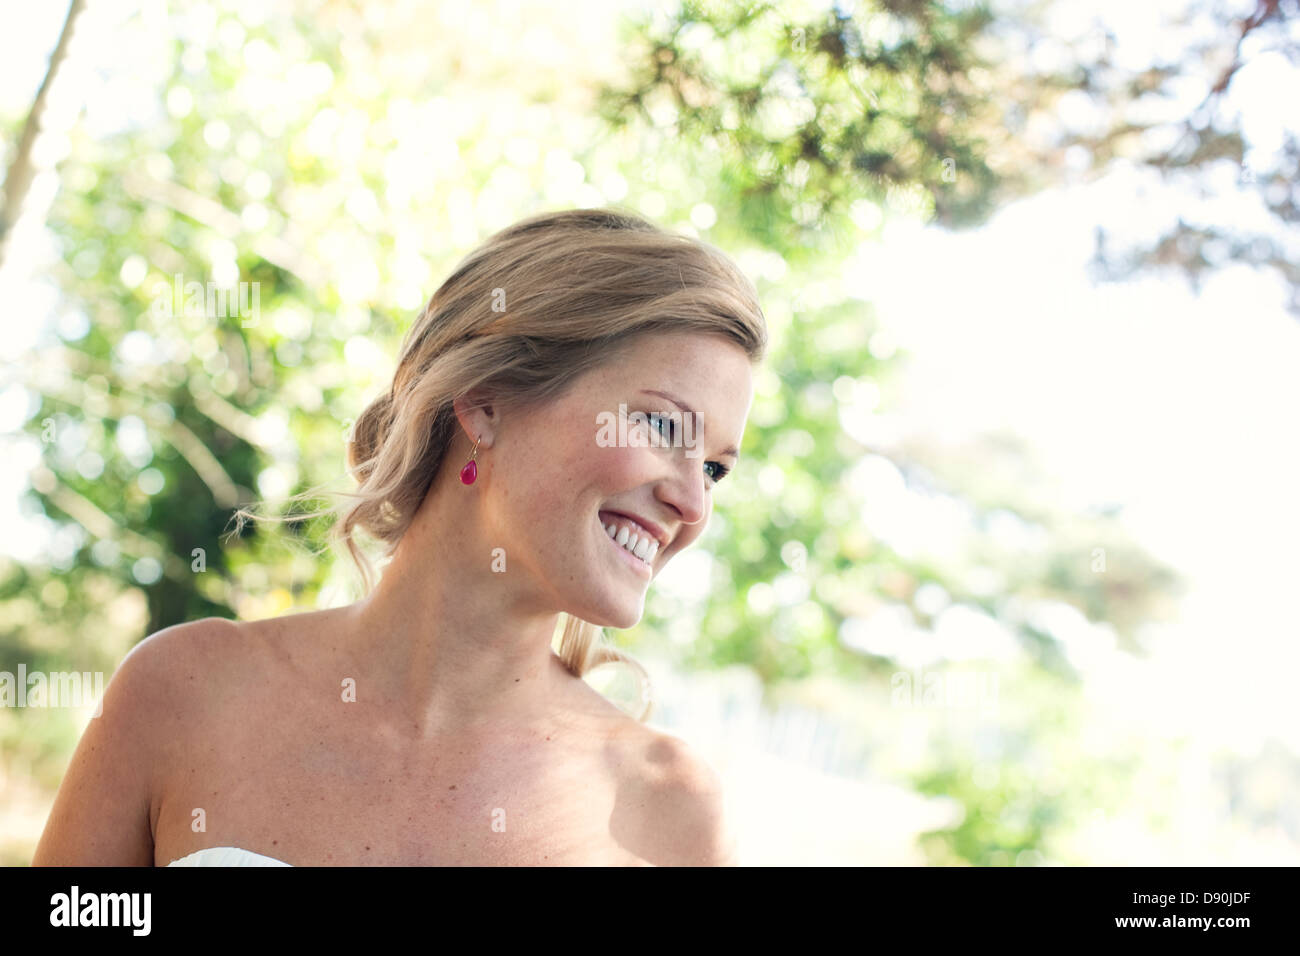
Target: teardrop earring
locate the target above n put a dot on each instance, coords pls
(470, 471)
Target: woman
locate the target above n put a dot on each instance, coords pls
(573, 391)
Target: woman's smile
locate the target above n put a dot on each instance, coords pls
(640, 565)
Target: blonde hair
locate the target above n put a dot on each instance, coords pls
(521, 317)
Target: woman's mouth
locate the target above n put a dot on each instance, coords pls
(638, 550)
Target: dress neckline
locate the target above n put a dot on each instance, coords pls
(227, 856)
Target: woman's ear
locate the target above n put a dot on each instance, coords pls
(475, 414)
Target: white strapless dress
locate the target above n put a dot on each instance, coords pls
(227, 856)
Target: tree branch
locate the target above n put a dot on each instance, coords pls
(21, 171)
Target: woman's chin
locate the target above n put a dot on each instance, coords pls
(611, 615)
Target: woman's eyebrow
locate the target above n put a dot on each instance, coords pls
(686, 408)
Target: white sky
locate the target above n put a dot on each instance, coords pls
(1182, 409)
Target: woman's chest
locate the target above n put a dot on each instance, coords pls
(324, 795)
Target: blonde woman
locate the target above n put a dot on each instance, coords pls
(561, 413)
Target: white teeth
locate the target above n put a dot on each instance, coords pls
(644, 548)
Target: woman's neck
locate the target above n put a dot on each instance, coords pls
(449, 639)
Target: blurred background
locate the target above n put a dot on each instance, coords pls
(1008, 573)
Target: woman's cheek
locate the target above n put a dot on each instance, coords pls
(626, 467)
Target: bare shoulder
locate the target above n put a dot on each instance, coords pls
(183, 661)
(105, 812)
(189, 638)
(201, 654)
(682, 817)
(178, 677)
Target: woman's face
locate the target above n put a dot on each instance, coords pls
(601, 456)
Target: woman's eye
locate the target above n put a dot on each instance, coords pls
(655, 421)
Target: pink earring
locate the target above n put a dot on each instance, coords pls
(470, 471)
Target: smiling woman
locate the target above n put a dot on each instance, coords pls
(556, 307)
(431, 721)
